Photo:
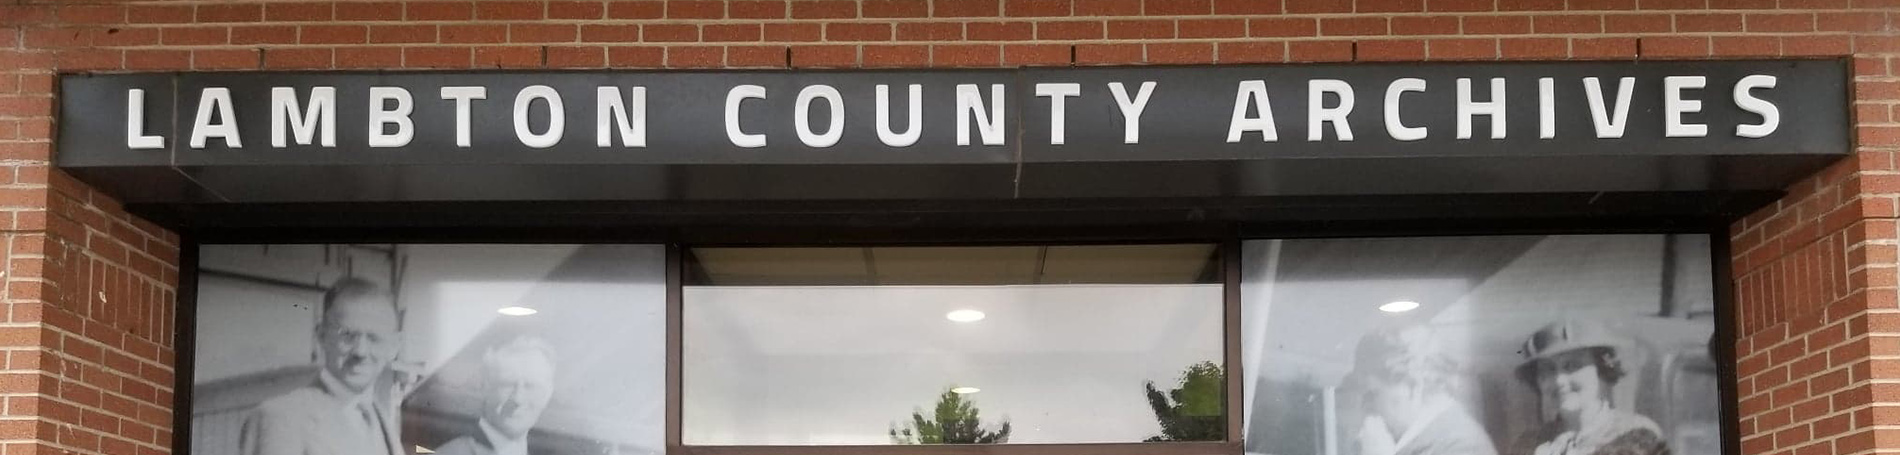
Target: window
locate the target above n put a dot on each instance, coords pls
(885, 345)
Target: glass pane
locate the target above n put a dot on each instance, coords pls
(1479, 345)
(884, 345)
(393, 349)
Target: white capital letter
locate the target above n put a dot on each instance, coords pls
(1609, 125)
(1131, 110)
(1317, 114)
(215, 99)
(1251, 92)
(322, 115)
(609, 108)
(1770, 115)
(989, 119)
(135, 137)
(733, 97)
(461, 96)
(801, 118)
(911, 132)
(1674, 106)
(1393, 125)
(1546, 108)
(1058, 93)
(1468, 109)
(557, 118)
(378, 117)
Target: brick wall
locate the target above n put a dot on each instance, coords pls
(89, 291)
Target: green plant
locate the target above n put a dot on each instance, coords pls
(955, 422)
(1193, 411)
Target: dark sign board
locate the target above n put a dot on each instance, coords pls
(1302, 130)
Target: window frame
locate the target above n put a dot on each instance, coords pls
(1227, 236)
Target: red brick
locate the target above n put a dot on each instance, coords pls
(489, 10)
(1425, 25)
(119, 37)
(645, 9)
(695, 9)
(1579, 23)
(756, 56)
(576, 57)
(368, 57)
(1181, 53)
(157, 59)
(1602, 48)
(298, 12)
(370, 11)
(445, 10)
(508, 57)
(1319, 51)
(906, 56)
(1389, 6)
(1709, 22)
(230, 13)
(1120, 7)
(780, 32)
(824, 56)
(1461, 5)
(894, 8)
(543, 33)
(1390, 50)
(1636, 23)
(222, 59)
(264, 34)
(1816, 46)
(1084, 30)
(1534, 48)
(492, 33)
(824, 9)
(1672, 4)
(757, 9)
(1283, 27)
(966, 55)
(964, 8)
(1109, 54)
(437, 57)
(193, 36)
(1000, 31)
(1850, 22)
(1036, 8)
(848, 31)
(694, 56)
(1318, 6)
(1531, 5)
(297, 58)
(670, 33)
(333, 34)
(89, 14)
(1746, 46)
(731, 33)
(1211, 28)
(1673, 47)
(576, 10)
(388, 34)
(1250, 52)
(1177, 7)
(1036, 55)
(636, 57)
(1783, 23)
(1140, 29)
(1353, 26)
(151, 14)
(1497, 25)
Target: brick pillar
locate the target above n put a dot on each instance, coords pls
(1818, 319)
(89, 290)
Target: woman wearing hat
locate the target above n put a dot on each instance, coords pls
(1574, 368)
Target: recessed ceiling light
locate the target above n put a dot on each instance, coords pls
(517, 311)
(965, 390)
(965, 315)
(1399, 306)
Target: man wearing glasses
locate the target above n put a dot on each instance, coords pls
(338, 413)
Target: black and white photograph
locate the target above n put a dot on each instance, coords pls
(381, 349)
(1498, 345)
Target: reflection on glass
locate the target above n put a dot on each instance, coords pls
(949, 345)
(1514, 345)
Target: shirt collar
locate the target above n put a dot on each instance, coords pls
(502, 444)
(336, 389)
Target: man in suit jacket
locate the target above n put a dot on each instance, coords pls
(338, 413)
(517, 383)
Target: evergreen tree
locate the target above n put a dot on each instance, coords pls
(955, 422)
(1192, 411)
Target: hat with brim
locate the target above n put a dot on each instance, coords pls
(1563, 337)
